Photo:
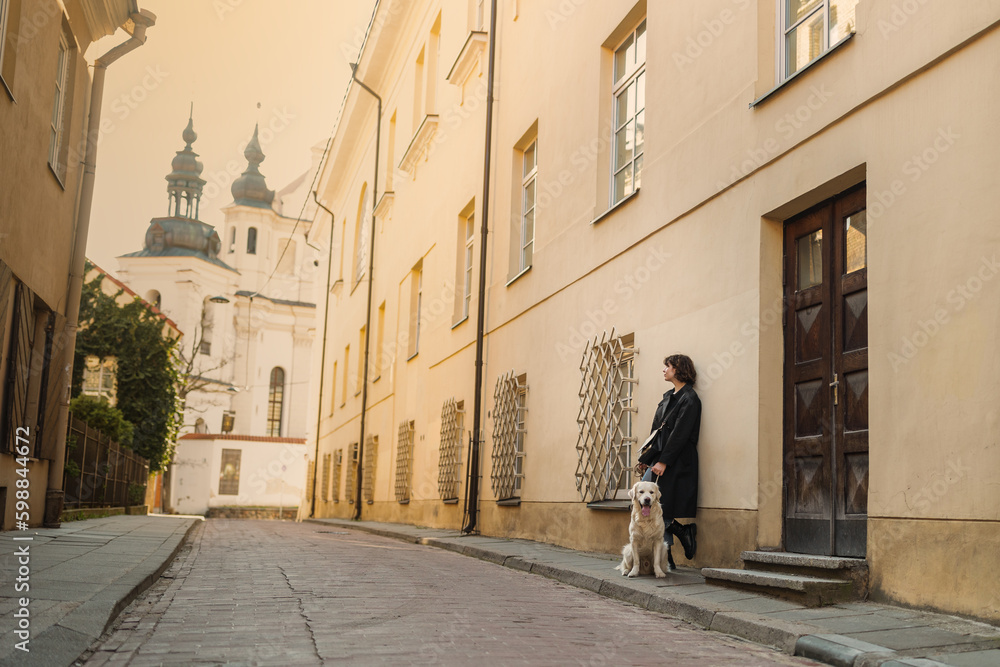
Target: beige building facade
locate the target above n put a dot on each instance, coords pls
(47, 98)
(798, 195)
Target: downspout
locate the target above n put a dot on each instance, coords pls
(472, 500)
(322, 358)
(142, 19)
(368, 314)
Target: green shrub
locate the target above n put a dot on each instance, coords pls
(100, 414)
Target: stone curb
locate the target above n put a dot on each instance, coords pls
(790, 637)
(120, 595)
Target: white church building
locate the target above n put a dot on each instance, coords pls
(245, 302)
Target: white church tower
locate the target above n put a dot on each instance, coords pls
(245, 302)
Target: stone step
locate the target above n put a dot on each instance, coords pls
(786, 559)
(807, 590)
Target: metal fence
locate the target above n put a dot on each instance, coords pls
(99, 472)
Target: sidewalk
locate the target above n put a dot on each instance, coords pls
(80, 578)
(853, 634)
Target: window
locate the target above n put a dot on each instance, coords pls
(325, 479)
(629, 93)
(470, 233)
(347, 365)
(810, 28)
(200, 426)
(229, 476)
(232, 240)
(154, 298)
(362, 240)
(529, 170)
(338, 464)
(604, 443)
(60, 104)
(252, 241)
(333, 388)
(509, 427)
(10, 15)
(416, 296)
(433, 57)
(379, 341)
(352, 472)
(390, 153)
(359, 381)
(480, 14)
(371, 460)
(404, 461)
(275, 399)
(418, 91)
(450, 453)
(99, 378)
(464, 261)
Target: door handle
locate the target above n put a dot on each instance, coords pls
(834, 385)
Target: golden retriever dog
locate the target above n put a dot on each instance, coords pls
(645, 552)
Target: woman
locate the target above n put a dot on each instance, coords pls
(674, 464)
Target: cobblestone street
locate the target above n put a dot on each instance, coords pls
(280, 593)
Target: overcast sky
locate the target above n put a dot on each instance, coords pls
(225, 56)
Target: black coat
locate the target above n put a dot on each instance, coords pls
(679, 451)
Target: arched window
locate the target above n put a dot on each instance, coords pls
(252, 241)
(153, 298)
(275, 399)
(200, 426)
(232, 240)
(362, 238)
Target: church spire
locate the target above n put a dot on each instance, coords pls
(184, 182)
(250, 189)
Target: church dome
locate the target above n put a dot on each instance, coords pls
(250, 189)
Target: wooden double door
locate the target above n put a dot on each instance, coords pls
(826, 378)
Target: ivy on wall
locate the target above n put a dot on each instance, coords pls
(148, 372)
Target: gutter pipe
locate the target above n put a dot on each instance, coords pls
(368, 314)
(142, 19)
(472, 499)
(322, 362)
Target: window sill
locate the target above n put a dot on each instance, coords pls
(404, 502)
(615, 207)
(55, 175)
(614, 505)
(460, 321)
(419, 144)
(509, 502)
(377, 378)
(10, 93)
(384, 204)
(468, 57)
(413, 355)
(521, 273)
(806, 68)
(357, 393)
(450, 501)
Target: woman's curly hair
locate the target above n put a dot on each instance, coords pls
(683, 367)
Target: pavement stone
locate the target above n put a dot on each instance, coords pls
(82, 575)
(851, 634)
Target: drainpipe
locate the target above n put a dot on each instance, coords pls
(142, 19)
(322, 362)
(472, 499)
(371, 281)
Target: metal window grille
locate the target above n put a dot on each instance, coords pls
(404, 461)
(352, 471)
(325, 479)
(450, 454)
(310, 482)
(371, 460)
(509, 411)
(338, 458)
(605, 440)
(229, 475)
